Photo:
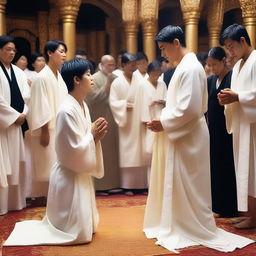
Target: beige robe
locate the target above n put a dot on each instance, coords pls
(241, 122)
(131, 132)
(187, 218)
(47, 93)
(98, 103)
(12, 153)
(71, 213)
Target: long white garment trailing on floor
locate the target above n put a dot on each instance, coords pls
(131, 131)
(71, 214)
(186, 217)
(12, 155)
(47, 93)
(241, 122)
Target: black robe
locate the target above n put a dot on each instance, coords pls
(223, 180)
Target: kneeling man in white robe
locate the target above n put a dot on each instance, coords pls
(187, 217)
(74, 219)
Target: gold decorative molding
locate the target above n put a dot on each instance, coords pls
(191, 11)
(248, 8)
(69, 10)
(130, 11)
(149, 9)
(3, 6)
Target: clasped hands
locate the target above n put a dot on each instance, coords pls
(99, 129)
(227, 96)
(155, 125)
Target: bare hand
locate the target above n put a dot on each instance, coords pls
(227, 96)
(158, 102)
(155, 126)
(44, 139)
(129, 106)
(99, 129)
(20, 120)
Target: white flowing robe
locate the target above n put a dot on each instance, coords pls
(187, 218)
(71, 214)
(241, 122)
(47, 93)
(12, 154)
(131, 131)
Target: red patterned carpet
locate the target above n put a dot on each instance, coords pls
(119, 234)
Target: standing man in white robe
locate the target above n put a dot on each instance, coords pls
(126, 108)
(240, 103)
(74, 219)
(13, 91)
(47, 93)
(187, 218)
(98, 102)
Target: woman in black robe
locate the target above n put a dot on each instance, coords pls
(223, 180)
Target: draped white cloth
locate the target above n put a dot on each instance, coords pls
(241, 122)
(186, 217)
(47, 93)
(12, 154)
(71, 214)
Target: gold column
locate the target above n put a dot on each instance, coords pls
(42, 21)
(2, 17)
(149, 17)
(68, 12)
(249, 18)
(130, 20)
(191, 15)
(215, 20)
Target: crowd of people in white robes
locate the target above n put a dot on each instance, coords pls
(153, 135)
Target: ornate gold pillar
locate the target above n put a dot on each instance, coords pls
(53, 21)
(149, 17)
(215, 20)
(68, 12)
(2, 17)
(191, 15)
(130, 20)
(249, 18)
(112, 35)
(42, 21)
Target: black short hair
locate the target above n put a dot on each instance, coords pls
(33, 58)
(141, 56)
(169, 33)
(70, 69)
(17, 56)
(217, 53)
(235, 32)
(5, 40)
(81, 52)
(202, 57)
(154, 65)
(162, 59)
(127, 57)
(52, 46)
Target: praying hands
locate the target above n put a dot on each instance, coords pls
(155, 126)
(227, 96)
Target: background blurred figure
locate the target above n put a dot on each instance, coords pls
(223, 180)
(98, 102)
(81, 54)
(142, 66)
(126, 108)
(14, 90)
(21, 61)
(119, 70)
(202, 57)
(35, 65)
